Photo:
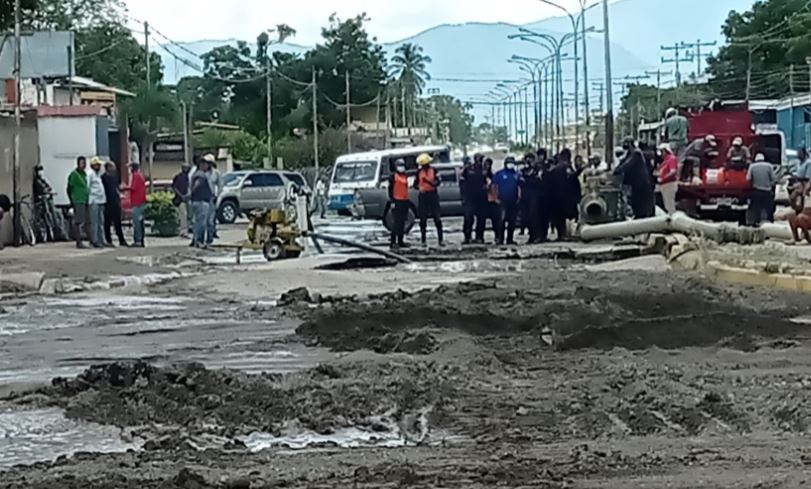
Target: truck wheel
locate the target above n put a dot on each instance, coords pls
(228, 212)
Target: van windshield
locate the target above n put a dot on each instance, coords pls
(356, 171)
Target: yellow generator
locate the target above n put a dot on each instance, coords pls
(276, 233)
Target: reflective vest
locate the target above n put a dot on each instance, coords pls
(400, 191)
(427, 180)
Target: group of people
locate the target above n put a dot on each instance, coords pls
(196, 192)
(537, 194)
(95, 198)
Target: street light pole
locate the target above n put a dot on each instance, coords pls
(15, 169)
(609, 116)
(586, 105)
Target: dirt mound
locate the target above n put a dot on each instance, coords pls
(595, 313)
(230, 403)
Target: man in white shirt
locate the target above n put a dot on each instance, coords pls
(97, 201)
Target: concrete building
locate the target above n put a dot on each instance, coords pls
(794, 120)
(28, 148)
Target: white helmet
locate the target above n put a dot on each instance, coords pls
(670, 112)
(738, 141)
(665, 147)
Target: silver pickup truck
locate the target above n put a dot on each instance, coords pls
(374, 203)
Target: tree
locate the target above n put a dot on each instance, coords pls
(410, 69)
(773, 34)
(69, 14)
(151, 109)
(451, 118)
(109, 54)
(646, 103)
(7, 12)
(244, 146)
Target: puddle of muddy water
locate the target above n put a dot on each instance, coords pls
(44, 338)
(45, 434)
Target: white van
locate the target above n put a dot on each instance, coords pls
(370, 170)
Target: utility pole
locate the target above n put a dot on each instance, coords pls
(269, 108)
(70, 72)
(749, 76)
(185, 132)
(587, 106)
(697, 46)
(17, 224)
(609, 115)
(677, 59)
(148, 67)
(658, 73)
(348, 115)
(315, 124)
(633, 120)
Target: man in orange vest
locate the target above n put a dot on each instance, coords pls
(427, 182)
(398, 195)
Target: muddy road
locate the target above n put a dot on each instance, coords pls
(553, 378)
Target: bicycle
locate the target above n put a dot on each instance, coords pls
(28, 232)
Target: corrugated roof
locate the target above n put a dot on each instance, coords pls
(81, 81)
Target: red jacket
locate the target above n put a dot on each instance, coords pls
(137, 189)
(668, 170)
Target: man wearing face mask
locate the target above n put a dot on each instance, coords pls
(427, 182)
(508, 183)
(524, 204)
(398, 195)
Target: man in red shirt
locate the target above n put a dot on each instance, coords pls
(668, 177)
(138, 199)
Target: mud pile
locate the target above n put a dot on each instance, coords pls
(229, 403)
(579, 310)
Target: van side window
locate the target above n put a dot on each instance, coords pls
(266, 180)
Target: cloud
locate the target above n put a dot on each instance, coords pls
(391, 20)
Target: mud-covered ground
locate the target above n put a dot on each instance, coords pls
(556, 378)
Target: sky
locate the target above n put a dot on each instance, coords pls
(391, 20)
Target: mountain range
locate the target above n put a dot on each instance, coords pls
(470, 59)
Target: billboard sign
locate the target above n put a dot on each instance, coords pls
(44, 54)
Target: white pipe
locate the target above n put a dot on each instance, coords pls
(678, 223)
(625, 228)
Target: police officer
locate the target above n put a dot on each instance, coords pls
(474, 190)
(635, 173)
(427, 182)
(398, 195)
(508, 183)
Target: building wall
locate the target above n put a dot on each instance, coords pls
(28, 160)
(796, 126)
(61, 141)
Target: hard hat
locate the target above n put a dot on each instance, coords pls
(666, 147)
(424, 159)
(209, 158)
(671, 111)
(760, 157)
(95, 161)
(737, 141)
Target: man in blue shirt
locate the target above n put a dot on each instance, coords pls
(804, 169)
(508, 182)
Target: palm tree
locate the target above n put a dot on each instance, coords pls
(410, 69)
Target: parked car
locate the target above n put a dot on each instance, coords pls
(373, 203)
(245, 191)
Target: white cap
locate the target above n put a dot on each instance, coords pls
(209, 158)
(666, 147)
(738, 141)
(671, 111)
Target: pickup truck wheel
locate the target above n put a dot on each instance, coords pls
(228, 212)
(388, 220)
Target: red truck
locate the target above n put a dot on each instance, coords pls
(724, 194)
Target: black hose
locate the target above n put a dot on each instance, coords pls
(361, 246)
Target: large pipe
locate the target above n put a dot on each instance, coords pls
(625, 228)
(361, 246)
(678, 222)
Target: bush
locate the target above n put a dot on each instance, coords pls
(161, 210)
